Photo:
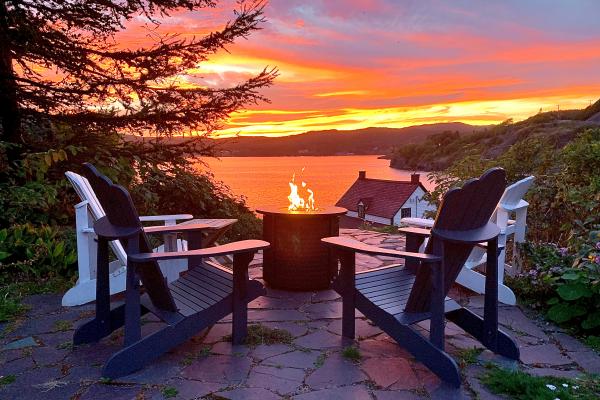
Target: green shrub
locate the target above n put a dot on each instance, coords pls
(565, 199)
(560, 271)
(565, 287)
(33, 252)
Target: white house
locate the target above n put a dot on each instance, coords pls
(385, 201)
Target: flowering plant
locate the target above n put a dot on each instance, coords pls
(578, 288)
(566, 286)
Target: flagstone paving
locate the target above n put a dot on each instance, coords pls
(37, 353)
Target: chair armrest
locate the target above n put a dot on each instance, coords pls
(160, 218)
(175, 228)
(346, 243)
(513, 207)
(418, 222)
(243, 246)
(422, 232)
(105, 229)
(484, 245)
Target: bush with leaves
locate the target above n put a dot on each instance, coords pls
(34, 252)
(560, 271)
(565, 199)
(565, 287)
(37, 200)
(577, 299)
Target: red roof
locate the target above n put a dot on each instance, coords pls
(386, 197)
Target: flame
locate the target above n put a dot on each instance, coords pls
(297, 202)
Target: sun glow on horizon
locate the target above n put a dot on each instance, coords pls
(354, 64)
(489, 112)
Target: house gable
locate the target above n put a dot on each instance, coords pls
(381, 198)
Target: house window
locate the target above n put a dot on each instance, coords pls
(361, 211)
(405, 212)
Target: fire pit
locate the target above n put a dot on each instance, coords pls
(296, 259)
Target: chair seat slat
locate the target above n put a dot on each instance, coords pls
(198, 290)
(188, 294)
(210, 287)
(390, 293)
(385, 282)
(219, 270)
(224, 277)
(377, 271)
(185, 307)
(365, 278)
(198, 295)
(218, 285)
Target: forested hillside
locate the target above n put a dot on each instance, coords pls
(439, 151)
(559, 266)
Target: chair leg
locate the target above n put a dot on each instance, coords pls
(239, 321)
(434, 358)
(94, 329)
(490, 306)
(100, 326)
(347, 283)
(506, 295)
(474, 325)
(436, 271)
(133, 357)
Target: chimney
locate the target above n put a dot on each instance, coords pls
(415, 178)
(362, 174)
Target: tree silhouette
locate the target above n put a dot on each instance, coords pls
(60, 62)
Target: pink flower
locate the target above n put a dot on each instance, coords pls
(597, 260)
(598, 245)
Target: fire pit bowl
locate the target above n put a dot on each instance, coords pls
(296, 259)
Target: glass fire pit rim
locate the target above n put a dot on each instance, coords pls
(325, 211)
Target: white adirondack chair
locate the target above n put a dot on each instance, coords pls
(87, 212)
(511, 206)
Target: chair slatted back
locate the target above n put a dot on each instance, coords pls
(462, 209)
(120, 212)
(86, 193)
(514, 193)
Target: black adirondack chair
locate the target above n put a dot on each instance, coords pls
(395, 297)
(198, 299)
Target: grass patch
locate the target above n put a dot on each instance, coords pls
(10, 307)
(468, 356)
(259, 334)
(63, 325)
(390, 229)
(169, 392)
(6, 380)
(593, 342)
(191, 357)
(65, 346)
(11, 295)
(188, 359)
(519, 385)
(351, 353)
(320, 360)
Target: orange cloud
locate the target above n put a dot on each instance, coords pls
(354, 64)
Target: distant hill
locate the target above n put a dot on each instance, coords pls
(594, 118)
(333, 142)
(439, 151)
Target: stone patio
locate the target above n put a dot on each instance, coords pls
(38, 354)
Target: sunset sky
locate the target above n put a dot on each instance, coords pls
(349, 64)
